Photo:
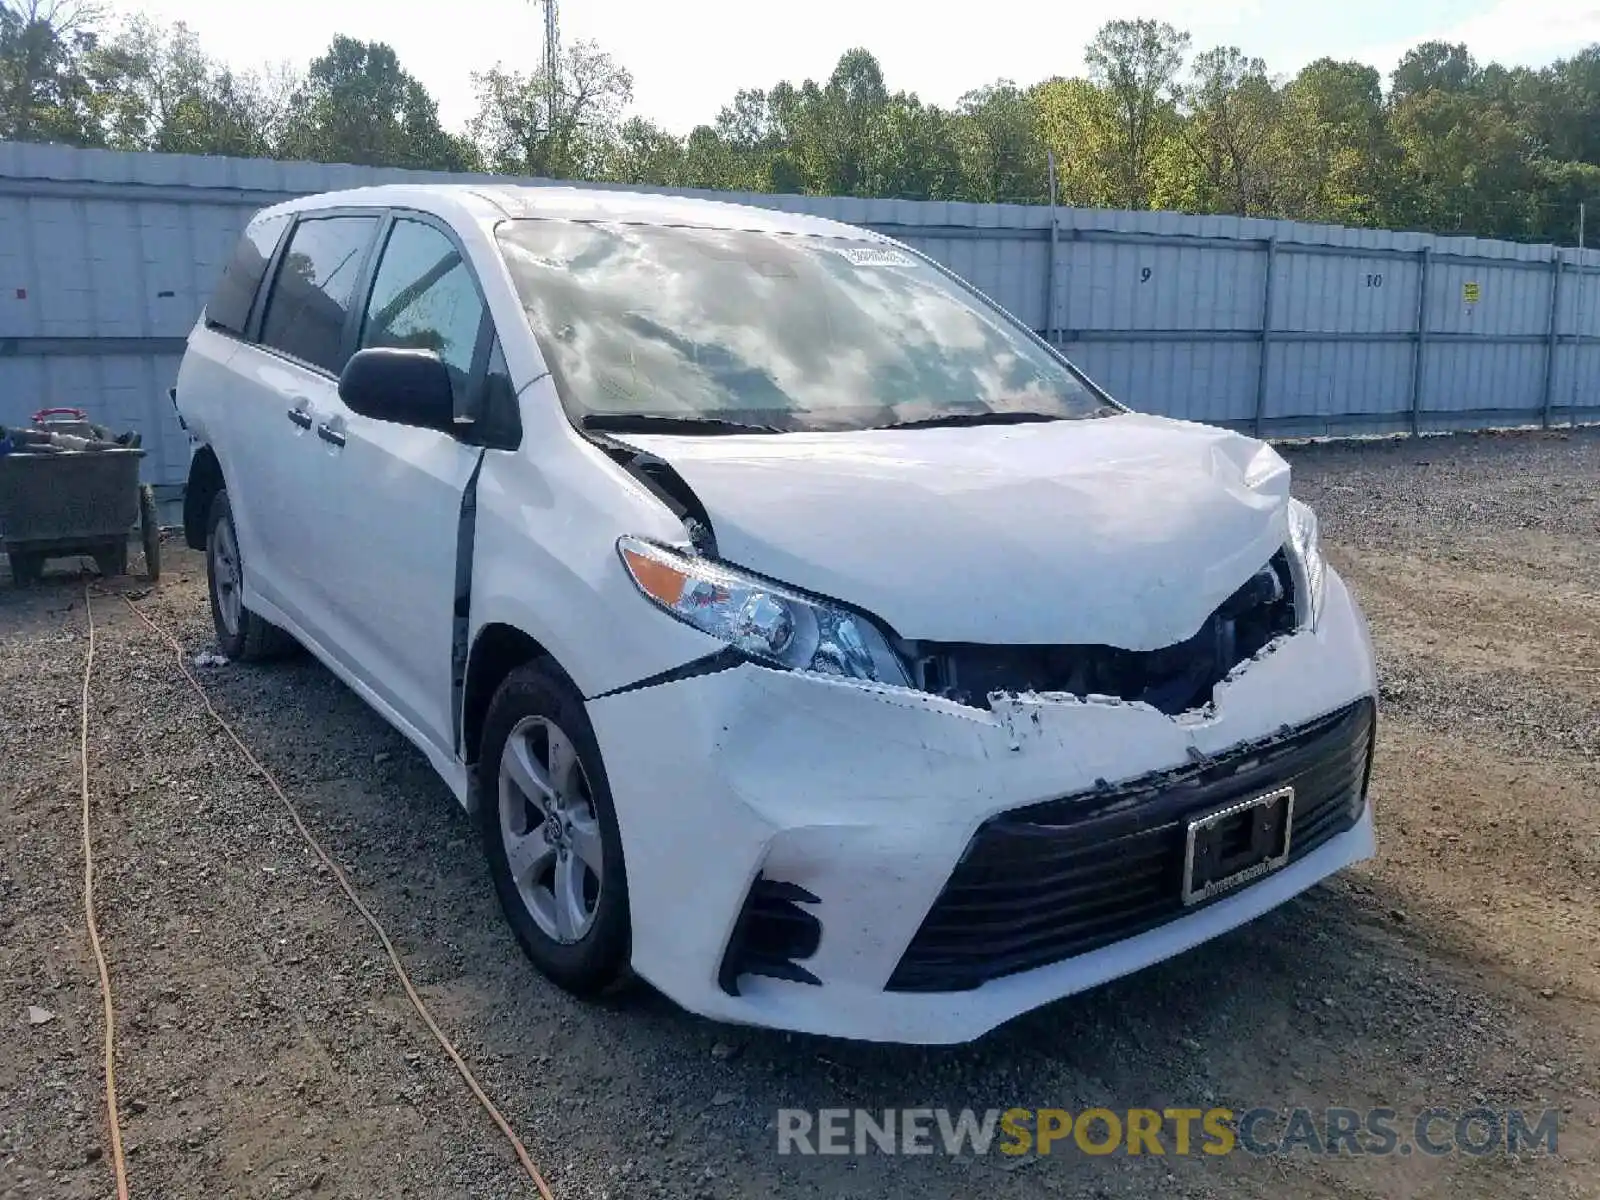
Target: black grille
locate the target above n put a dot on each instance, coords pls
(1061, 878)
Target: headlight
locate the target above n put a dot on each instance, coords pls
(761, 619)
(1305, 543)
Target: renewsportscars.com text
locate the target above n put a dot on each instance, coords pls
(1174, 1131)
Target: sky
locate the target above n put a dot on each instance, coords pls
(689, 58)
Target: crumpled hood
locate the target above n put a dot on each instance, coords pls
(1120, 531)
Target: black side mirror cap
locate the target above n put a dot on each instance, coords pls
(405, 387)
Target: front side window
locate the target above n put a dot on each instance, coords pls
(315, 289)
(424, 298)
(785, 332)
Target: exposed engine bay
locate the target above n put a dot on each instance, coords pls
(1173, 679)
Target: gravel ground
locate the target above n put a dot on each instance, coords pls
(266, 1050)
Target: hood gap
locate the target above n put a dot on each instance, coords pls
(669, 487)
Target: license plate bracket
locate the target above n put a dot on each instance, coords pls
(1238, 843)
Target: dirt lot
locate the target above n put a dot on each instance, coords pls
(266, 1049)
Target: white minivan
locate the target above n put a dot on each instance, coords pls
(806, 635)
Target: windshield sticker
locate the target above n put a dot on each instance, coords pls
(875, 256)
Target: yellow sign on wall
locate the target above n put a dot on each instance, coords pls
(1469, 293)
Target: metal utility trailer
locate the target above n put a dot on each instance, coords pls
(74, 502)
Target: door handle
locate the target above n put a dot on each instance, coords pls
(300, 417)
(330, 435)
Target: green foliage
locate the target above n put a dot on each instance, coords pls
(155, 89)
(560, 128)
(46, 93)
(999, 147)
(358, 105)
(1449, 144)
(1136, 65)
(1230, 113)
(1332, 155)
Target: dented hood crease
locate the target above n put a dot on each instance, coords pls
(1121, 531)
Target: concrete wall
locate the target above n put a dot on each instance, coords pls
(1272, 326)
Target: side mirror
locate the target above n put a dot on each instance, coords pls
(406, 387)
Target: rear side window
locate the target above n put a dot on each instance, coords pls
(229, 308)
(315, 286)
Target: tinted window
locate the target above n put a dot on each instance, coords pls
(500, 420)
(230, 305)
(315, 286)
(424, 298)
(785, 331)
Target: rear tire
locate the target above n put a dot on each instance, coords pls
(241, 634)
(558, 824)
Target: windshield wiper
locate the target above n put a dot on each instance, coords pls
(663, 423)
(972, 418)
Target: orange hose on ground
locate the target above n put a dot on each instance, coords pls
(119, 1165)
(445, 1044)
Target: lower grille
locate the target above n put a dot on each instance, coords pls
(1058, 879)
(774, 933)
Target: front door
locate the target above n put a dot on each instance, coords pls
(388, 542)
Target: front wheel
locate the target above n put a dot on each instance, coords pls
(550, 832)
(241, 634)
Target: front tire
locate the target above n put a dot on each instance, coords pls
(550, 832)
(241, 634)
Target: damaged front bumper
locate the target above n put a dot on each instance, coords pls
(782, 823)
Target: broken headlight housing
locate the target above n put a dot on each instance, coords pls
(768, 622)
(1305, 548)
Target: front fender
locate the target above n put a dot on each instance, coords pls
(545, 562)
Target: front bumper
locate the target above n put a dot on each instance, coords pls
(868, 797)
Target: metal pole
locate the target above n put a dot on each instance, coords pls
(1050, 271)
(1425, 256)
(1577, 326)
(1266, 336)
(1550, 354)
(551, 63)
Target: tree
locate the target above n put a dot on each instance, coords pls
(643, 153)
(156, 89)
(1433, 67)
(45, 94)
(710, 162)
(1461, 167)
(1454, 146)
(513, 128)
(1333, 159)
(1556, 107)
(1001, 153)
(833, 130)
(1077, 124)
(916, 157)
(358, 105)
(1231, 112)
(748, 123)
(1136, 63)
(1560, 188)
